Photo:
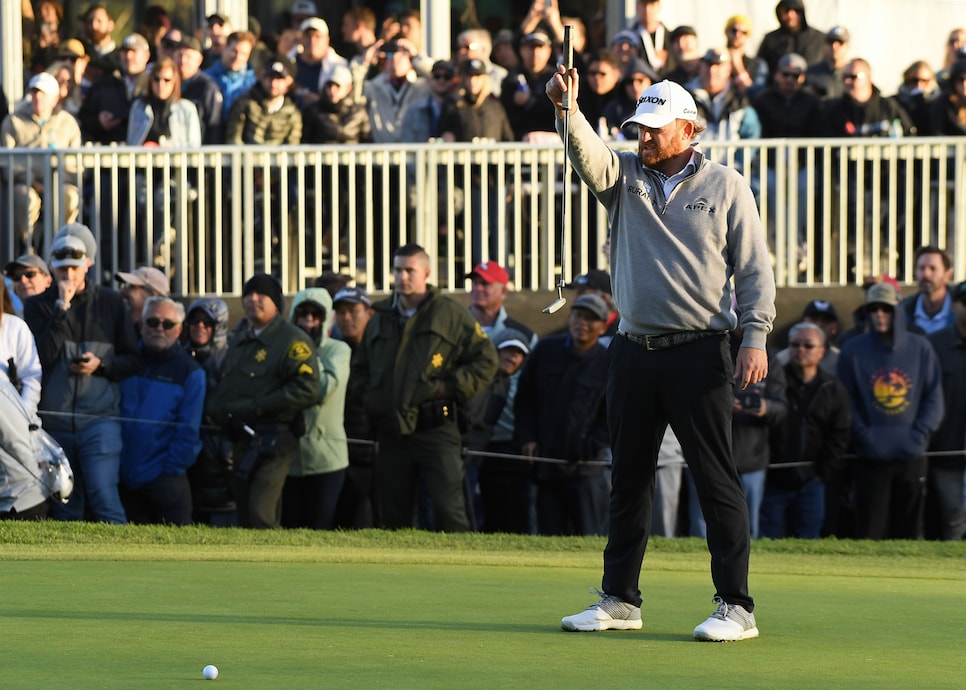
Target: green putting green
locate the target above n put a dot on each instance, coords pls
(147, 607)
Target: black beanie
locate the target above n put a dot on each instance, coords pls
(267, 285)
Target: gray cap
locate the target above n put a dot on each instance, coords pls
(83, 233)
(68, 251)
(147, 277)
(26, 261)
(793, 62)
(536, 38)
(352, 295)
(595, 304)
(882, 293)
(837, 33)
(512, 337)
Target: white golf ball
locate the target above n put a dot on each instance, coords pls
(210, 672)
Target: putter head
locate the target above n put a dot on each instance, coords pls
(555, 305)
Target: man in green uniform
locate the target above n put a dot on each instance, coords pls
(422, 355)
(267, 379)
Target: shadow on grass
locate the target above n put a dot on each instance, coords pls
(322, 622)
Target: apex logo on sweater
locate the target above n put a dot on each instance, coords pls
(700, 204)
(891, 388)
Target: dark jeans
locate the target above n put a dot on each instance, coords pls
(572, 505)
(690, 388)
(310, 501)
(505, 490)
(165, 500)
(945, 517)
(889, 498)
(355, 508)
(95, 457)
(793, 512)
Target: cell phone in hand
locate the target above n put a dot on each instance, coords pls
(80, 359)
(750, 402)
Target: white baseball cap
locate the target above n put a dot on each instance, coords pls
(661, 104)
(315, 24)
(45, 82)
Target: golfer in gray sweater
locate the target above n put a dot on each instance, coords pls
(686, 245)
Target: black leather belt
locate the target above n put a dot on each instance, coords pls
(666, 341)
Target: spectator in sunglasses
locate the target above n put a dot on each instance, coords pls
(28, 275)
(205, 338)
(816, 431)
(161, 407)
(894, 382)
(87, 345)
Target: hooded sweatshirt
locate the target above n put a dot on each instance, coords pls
(323, 448)
(210, 355)
(808, 42)
(895, 390)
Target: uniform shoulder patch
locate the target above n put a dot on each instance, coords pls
(480, 332)
(299, 351)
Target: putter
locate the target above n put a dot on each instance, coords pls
(568, 58)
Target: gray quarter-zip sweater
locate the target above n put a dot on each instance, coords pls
(673, 259)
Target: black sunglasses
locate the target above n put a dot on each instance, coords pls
(62, 254)
(154, 322)
(314, 313)
(29, 275)
(201, 321)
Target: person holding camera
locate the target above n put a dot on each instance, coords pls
(757, 410)
(422, 356)
(808, 447)
(268, 377)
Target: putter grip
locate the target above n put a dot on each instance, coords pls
(568, 63)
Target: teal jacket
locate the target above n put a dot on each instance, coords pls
(440, 352)
(324, 448)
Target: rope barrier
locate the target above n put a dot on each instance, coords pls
(467, 452)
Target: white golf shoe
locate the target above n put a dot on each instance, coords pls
(729, 623)
(610, 613)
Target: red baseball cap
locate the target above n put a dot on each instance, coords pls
(490, 272)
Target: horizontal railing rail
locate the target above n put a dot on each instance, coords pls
(834, 211)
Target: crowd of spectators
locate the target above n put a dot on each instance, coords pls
(820, 451)
(342, 412)
(288, 85)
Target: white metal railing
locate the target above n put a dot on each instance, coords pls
(834, 210)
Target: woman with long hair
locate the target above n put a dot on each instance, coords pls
(160, 118)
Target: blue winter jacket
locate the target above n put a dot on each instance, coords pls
(169, 396)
